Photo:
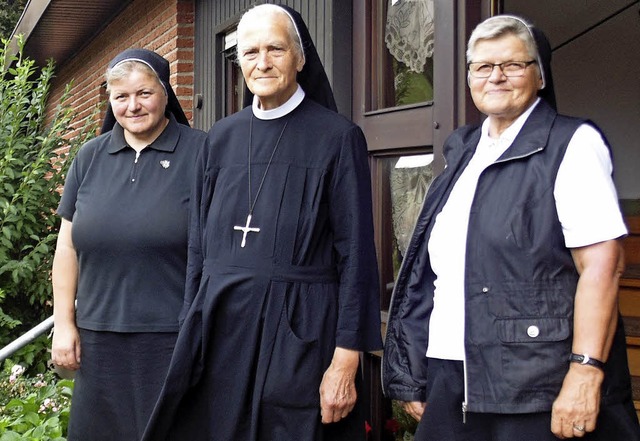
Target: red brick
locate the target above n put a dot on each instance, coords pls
(165, 26)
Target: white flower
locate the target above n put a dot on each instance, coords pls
(17, 370)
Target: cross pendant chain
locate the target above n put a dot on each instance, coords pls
(246, 230)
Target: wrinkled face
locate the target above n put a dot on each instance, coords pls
(138, 102)
(268, 59)
(500, 97)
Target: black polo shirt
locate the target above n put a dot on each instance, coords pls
(129, 214)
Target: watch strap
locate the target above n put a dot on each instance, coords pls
(585, 359)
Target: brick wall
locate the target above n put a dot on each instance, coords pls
(164, 26)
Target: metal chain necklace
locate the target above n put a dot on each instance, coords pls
(252, 203)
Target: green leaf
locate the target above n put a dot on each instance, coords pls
(11, 436)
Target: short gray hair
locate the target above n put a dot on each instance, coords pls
(499, 26)
(260, 11)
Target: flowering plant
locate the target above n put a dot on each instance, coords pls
(33, 408)
(401, 426)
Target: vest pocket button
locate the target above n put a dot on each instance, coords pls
(533, 331)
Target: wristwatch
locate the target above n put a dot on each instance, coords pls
(585, 359)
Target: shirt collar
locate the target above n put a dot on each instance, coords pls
(166, 142)
(279, 111)
(511, 132)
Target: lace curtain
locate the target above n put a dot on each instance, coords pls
(409, 185)
(409, 32)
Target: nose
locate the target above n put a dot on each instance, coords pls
(497, 75)
(133, 104)
(264, 61)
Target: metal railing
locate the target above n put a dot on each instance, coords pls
(25, 339)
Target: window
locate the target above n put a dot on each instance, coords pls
(403, 43)
(404, 72)
(234, 81)
(404, 98)
(401, 181)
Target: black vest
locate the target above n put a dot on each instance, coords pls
(520, 279)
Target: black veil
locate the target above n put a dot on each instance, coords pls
(313, 78)
(161, 67)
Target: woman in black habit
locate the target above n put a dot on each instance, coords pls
(282, 289)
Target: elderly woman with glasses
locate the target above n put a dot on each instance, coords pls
(504, 323)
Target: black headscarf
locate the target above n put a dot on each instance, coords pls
(547, 92)
(313, 78)
(161, 67)
(543, 47)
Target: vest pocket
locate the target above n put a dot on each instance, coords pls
(533, 330)
(534, 353)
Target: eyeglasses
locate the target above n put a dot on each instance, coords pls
(509, 69)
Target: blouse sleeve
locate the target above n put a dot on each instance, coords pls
(67, 207)
(585, 194)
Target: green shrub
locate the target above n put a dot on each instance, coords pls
(34, 156)
(33, 408)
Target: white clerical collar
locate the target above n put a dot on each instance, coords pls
(279, 111)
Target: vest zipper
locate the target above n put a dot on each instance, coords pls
(466, 395)
(533, 152)
(464, 362)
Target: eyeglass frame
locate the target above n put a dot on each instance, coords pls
(500, 65)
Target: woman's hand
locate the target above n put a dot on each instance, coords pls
(576, 408)
(415, 409)
(65, 348)
(575, 411)
(338, 390)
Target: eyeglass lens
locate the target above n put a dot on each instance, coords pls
(508, 68)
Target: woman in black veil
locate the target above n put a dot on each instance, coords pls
(282, 291)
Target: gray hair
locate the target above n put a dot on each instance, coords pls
(267, 9)
(499, 26)
(123, 70)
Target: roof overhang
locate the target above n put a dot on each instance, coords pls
(59, 29)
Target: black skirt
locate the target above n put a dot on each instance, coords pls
(443, 421)
(118, 383)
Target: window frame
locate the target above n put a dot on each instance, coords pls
(383, 233)
(416, 125)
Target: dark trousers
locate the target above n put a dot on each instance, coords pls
(443, 420)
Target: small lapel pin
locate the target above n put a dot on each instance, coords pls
(165, 164)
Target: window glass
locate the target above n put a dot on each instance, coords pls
(233, 79)
(405, 42)
(403, 181)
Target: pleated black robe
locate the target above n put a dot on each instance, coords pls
(262, 321)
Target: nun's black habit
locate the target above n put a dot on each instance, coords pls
(262, 321)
